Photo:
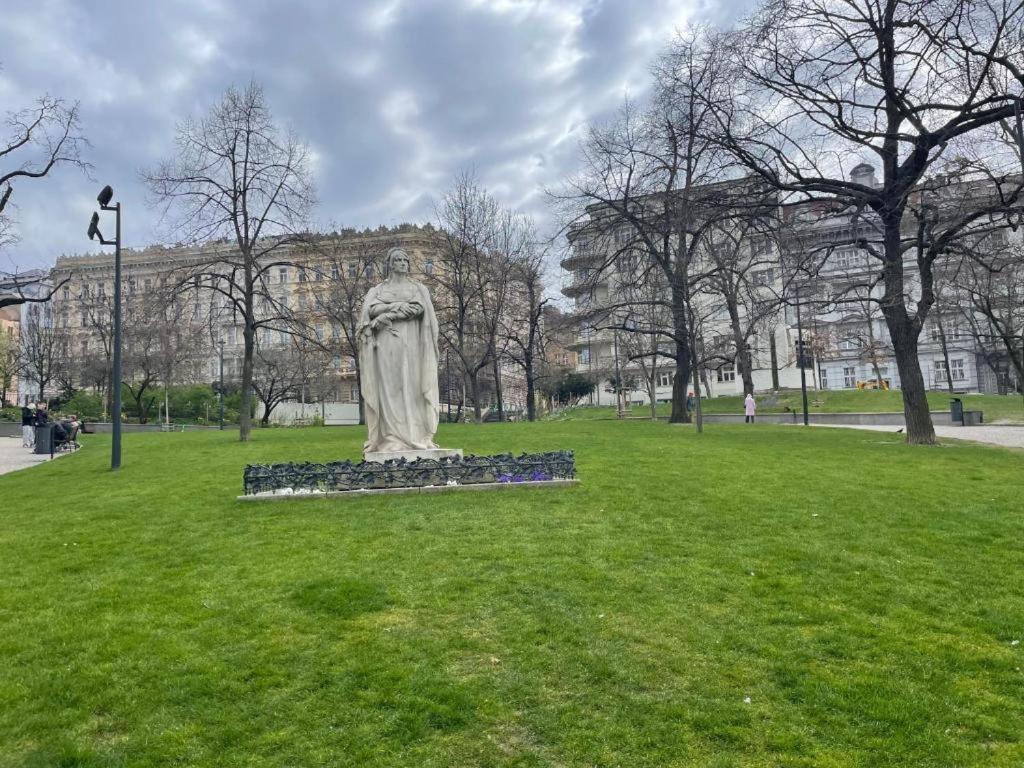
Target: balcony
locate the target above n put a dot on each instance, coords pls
(582, 257)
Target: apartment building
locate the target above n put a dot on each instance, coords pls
(296, 286)
(597, 277)
(847, 344)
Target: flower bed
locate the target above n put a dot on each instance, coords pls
(305, 478)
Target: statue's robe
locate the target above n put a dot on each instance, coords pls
(398, 371)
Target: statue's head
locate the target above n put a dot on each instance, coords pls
(397, 262)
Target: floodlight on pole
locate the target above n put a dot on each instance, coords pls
(104, 198)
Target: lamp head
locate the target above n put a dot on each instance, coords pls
(94, 226)
(105, 196)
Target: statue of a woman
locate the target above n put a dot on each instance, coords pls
(398, 361)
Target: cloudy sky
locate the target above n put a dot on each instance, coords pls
(394, 96)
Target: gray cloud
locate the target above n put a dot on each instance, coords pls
(393, 97)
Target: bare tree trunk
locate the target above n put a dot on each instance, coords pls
(773, 350)
(497, 389)
(679, 414)
(248, 336)
(359, 392)
(473, 383)
(531, 389)
(945, 351)
(699, 408)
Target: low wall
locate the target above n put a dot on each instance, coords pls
(939, 418)
(332, 414)
(106, 427)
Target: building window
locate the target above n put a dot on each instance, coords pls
(846, 258)
(368, 271)
(956, 365)
(726, 373)
(760, 246)
(354, 394)
(336, 361)
(302, 276)
(353, 270)
(282, 337)
(335, 273)
(763, 277)
(282, 275)
(850, 377)
(66, 293)
(302, 302)
(665, 379)
(85, 319)
(823, 377)
(319, 330)
(585, 357)
(428, 267)
(335, 331)
(147, 284)
(849, 343)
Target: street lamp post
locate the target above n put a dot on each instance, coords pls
(104, 198)
(448, 382)
(801, 357)
(619, 410)
(220, 388)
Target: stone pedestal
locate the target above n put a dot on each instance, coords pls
(431, 453)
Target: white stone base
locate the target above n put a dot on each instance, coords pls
(430, 453)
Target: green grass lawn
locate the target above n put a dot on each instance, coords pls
(753, 596)
(996, 408)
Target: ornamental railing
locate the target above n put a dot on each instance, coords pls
(399, 473)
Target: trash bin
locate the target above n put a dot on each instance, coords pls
(44, 439)
(972, 418)
(956, 410)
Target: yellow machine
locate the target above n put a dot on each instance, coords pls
(872, 384)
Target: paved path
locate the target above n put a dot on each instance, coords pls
(13, 456)
(1008, 437)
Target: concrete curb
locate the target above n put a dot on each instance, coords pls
(425, 489)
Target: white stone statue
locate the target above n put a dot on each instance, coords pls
(398, 366)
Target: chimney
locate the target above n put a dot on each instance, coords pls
(863, 174)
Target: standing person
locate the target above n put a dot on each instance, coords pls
(690, 402)
(749, 409)
(42, 417)
(28, 420)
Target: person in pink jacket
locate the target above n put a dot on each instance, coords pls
(749, 409)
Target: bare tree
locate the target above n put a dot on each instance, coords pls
(346, 268)
(746, 281)
(237, 175)
(905, 81)
(283, 371)
(34, 287)
(161, 346)
(96, 310)
(466, 238)
(42, 346)
(523, 322)
(990, 299)
(653, 185)
(10, 364)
